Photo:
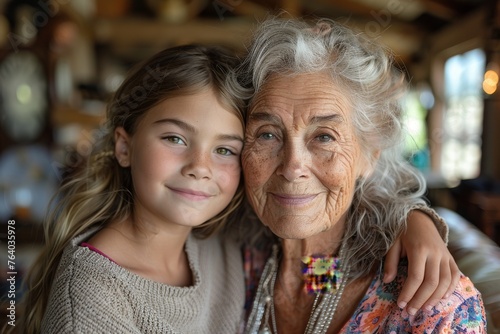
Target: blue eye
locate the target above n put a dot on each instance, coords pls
(325, 138)
(267, 136)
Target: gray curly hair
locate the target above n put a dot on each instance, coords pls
(364, 70)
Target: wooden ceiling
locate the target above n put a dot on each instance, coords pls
(135, 28)
(428, 15)
(401, 24)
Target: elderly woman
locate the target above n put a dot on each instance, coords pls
(323, 172)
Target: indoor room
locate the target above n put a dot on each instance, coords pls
(63, 61)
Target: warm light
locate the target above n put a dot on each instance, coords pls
(490, 82)
(491, 76)
(489, 88)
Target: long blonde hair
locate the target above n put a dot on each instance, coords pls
(101, 191)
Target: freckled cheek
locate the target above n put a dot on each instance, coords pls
(228, 176)
(340, 179)
(256, 168)
(326, 165)
(335, 169)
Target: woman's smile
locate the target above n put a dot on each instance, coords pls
(293, 200)
(301, 158)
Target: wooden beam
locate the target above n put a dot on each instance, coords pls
(136, 32)
(292, 7)
(340, 8)
(440, 10)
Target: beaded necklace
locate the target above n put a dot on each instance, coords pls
(324, 306)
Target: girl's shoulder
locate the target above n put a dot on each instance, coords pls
(85, 288)
(82, 267)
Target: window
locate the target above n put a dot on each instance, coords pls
(463, 115)
(416, 149)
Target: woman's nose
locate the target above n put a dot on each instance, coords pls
(294, 162)
(198, 166)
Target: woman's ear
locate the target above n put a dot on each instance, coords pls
(122, 147)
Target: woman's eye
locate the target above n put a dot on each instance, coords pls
(267, 136)
(324, 138)
(174, 139)
(224, 151)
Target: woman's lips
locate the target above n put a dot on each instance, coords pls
(285, 199)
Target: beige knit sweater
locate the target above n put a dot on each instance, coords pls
(92, 294)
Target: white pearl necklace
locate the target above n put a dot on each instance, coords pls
(324, 306)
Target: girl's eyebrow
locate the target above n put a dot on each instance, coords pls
(230, 137)
(190, 128)
(179, 123)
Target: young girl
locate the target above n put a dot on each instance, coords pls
(133, 245)
(121, 233)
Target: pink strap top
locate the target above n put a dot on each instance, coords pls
(92, 248)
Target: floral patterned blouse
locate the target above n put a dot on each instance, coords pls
(378, 311)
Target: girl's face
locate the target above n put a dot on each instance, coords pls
(184, 159)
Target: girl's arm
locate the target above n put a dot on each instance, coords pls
(432, 271)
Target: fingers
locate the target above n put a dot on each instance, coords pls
(417, 272)
(425, 291)
(433, 288)
(391, 262)
(432, 271)
(455, 277)
(448, 272)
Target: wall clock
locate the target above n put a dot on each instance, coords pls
(23, 96)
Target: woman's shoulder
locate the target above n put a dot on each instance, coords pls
(462, 312)
(464, 308)
(465, 293)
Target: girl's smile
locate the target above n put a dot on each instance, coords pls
(184, 158)
(192, 195)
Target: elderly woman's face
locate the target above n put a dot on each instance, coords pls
(301, 157)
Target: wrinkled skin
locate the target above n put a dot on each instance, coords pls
(301, 161)
(301, 157)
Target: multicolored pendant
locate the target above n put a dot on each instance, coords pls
(321, 274)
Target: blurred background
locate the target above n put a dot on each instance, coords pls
(61, 60)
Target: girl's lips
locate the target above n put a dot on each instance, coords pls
(191, 194)
(293, 199)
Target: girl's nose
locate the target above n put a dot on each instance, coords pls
(198, 166)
